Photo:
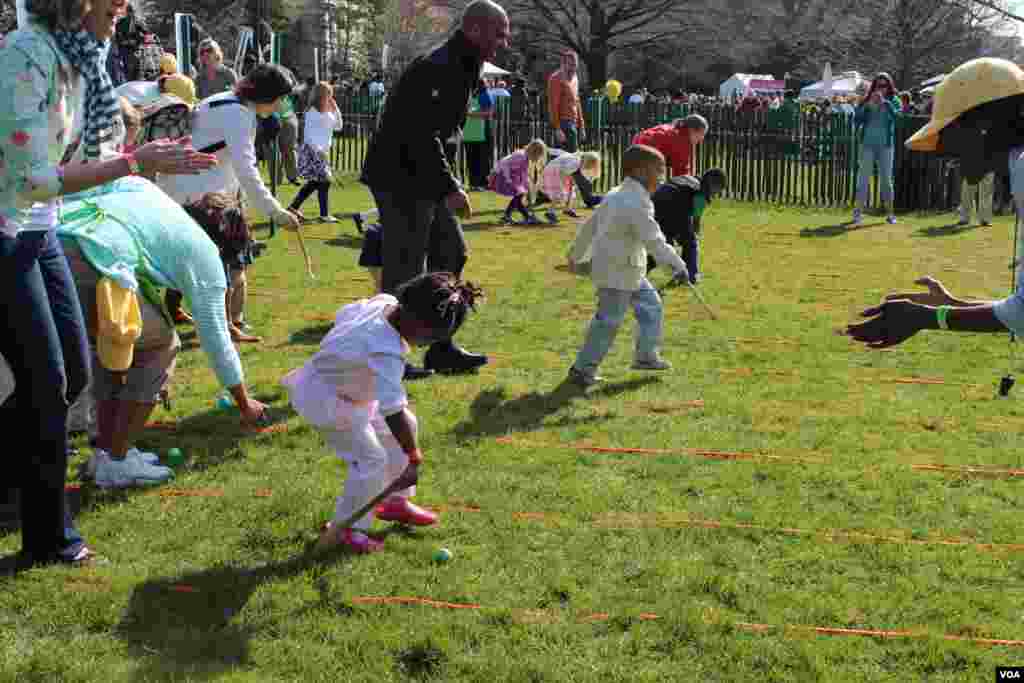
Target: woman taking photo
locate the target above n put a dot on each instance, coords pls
(876, 117)
(56, 50)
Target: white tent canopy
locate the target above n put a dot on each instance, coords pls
(845, 83)
(490, 70)
(738, 83)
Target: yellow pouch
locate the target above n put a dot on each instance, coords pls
(119, 324)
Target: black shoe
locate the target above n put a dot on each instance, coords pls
(413, 372)
(594, 201)
(358, 220)
(449, 359)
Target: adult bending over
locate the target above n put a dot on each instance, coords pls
(42, 331)
(406, 169)
(676, 141)
(225, 124)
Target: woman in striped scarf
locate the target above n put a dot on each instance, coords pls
(58, 51)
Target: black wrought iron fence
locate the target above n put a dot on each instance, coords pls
(809, 159)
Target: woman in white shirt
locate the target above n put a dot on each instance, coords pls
(321, 121)
(225, 125)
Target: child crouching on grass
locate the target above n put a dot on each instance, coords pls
(616, 239)
(558, 185)
(517, 176)
(351, 390)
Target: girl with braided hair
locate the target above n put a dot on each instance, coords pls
(351, 389)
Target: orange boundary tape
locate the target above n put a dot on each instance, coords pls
(703, 453)
(639, 521)
(747, 626)
(974, 470)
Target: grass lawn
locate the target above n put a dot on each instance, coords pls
(775, 486)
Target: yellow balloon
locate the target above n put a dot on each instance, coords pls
(613, 89)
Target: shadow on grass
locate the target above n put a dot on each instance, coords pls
(946, 230)
(187, 625)
(221, 437)
(838, 229)
(308, 336)
(491, 414)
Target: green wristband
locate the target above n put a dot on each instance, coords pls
(941, 314)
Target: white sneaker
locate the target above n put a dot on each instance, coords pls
(858, 217)
(129, 472)
(89, 471)
(328, 219)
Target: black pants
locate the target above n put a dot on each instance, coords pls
(322, 187)
(517, 205)
(417, 233)
(479, 160)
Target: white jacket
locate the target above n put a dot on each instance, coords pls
(619, 234)
(235, 125)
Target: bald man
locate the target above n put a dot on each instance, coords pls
(405, 167)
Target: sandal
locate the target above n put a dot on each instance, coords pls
(240, 337)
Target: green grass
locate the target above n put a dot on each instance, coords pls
(622, 534)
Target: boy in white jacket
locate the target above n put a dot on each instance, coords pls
(617, 238)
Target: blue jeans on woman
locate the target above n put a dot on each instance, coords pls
(869, 155)
(43, 338)
(612, 307)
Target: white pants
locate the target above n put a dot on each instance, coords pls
(980, 194)
(374, 460)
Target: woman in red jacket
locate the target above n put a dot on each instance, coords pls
(675, 141)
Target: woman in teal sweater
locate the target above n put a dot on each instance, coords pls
(876, 117)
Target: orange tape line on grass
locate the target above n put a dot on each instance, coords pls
(747, 626)
(711, 455)
(733, 455)
(959, 469)
(654, 521)
(874, 633)
(396, 600)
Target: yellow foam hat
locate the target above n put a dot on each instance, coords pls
(119, 324)
(973, 83)
(180, 86)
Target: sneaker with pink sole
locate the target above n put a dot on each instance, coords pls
(359, 543)
(402, 510)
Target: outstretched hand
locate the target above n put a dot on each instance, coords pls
(937, 294)
(889, 324)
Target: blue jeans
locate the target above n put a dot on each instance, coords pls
(612, 306)
(43, 338)
(883, 155)
(572, 136)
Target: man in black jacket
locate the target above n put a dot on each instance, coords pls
(406, 169)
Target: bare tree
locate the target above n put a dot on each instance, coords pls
(598, 29)
(916, 39)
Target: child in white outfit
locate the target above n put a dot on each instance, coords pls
(351, 390)
(618, 236)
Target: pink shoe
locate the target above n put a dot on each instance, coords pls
(398, 509)
(360, 543)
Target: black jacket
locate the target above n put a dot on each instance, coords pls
(673, 209)
(425, 107)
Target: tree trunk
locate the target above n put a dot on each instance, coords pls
(597, 67)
